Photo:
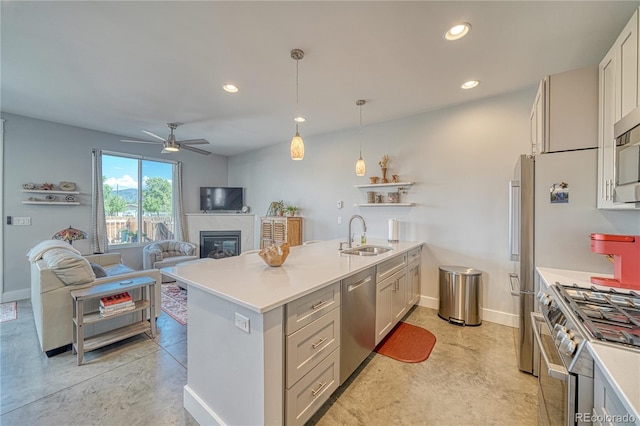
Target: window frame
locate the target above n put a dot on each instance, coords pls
(140, 159)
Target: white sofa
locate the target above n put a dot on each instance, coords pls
(52, 303)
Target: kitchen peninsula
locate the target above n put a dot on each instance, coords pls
(244, 318)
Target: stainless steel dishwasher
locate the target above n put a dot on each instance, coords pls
(358, 308)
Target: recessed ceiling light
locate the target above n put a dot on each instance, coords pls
(230, 88)
(457, 31)
(470, 84)
(300, 119)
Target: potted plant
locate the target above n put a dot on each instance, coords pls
(280, 207)
(292, 210)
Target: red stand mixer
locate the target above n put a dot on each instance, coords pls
(625, 250)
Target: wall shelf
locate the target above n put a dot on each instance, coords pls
(57, 203)
(385, 204)
(51, 191)
(380, 185)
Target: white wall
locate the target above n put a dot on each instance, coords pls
(41, 151)
(461, 159)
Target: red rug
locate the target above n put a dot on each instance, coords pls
(407, 343)
(174, 302)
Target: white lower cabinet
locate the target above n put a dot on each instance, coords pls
(413, 277)
(384, 310)
(312, 352)
(306, 396)
(607, 408)
(391, 294)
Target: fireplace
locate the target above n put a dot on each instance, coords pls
(219, 244)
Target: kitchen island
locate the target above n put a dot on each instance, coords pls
(238, 329)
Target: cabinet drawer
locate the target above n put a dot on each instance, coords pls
(313, 390)
(391, 266)
(414, 255)
(309, 345)
(308, 308)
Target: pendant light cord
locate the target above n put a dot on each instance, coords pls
(360, 130)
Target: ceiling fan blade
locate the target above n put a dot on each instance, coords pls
(137, 141)
(154, 135)
(193, 142)
(198, 150)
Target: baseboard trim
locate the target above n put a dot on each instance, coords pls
(490, 315)
(12, 296)
(198, 409)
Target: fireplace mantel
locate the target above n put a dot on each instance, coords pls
(197, 222)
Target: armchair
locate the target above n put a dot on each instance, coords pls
(166, 253)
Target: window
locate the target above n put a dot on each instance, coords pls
(138, 199)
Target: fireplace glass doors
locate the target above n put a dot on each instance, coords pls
(219, 244)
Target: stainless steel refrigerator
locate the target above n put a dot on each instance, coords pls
(555, 233)
(521, 250)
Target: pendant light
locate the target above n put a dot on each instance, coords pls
(297, 144)
(360, 166)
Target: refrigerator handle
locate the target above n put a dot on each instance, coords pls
(514, 282)
(514, 218)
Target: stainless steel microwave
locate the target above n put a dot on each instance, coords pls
(627, 134)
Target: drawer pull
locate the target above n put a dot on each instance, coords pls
(320, 304)
(315, 345)
(314, 392)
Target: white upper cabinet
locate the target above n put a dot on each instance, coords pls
(618, 95)
(626, 52)
(564, 116)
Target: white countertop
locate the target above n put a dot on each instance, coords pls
(621, 366)
(248, 281)
(568, 277)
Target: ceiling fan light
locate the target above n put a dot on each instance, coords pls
(171, 149)
(360, 167)
(297, 147)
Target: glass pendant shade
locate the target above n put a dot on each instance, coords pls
(360, 167)
(297, 147)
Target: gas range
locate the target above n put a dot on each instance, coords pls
(576, 315)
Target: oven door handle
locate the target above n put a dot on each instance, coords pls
(556, 371)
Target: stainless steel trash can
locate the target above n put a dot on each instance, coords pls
(460, 295)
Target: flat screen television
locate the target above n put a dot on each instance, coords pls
(221, 198)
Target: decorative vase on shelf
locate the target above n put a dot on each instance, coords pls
(384, 176)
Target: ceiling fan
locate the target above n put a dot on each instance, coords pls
(170, 144)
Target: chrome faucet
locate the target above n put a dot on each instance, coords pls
(364, 227)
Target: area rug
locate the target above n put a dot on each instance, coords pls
(407, 343)
(174, 302)
(8, 311)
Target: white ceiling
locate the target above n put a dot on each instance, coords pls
(120, 67)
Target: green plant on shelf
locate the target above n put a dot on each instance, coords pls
(291, 210)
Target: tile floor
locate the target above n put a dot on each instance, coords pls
(470, 378)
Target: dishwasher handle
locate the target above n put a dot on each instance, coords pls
(354, 286)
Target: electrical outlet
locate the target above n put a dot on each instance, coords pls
(339, 220)
(21, 221)
(339, 204)
(242, 322)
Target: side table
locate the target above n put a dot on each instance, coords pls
(80, 345)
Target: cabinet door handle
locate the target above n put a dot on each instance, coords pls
(314, 392)
(320, 304)
(315, 345)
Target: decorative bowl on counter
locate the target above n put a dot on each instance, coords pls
(274, 255)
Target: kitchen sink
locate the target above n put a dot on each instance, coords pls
(366, 250)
